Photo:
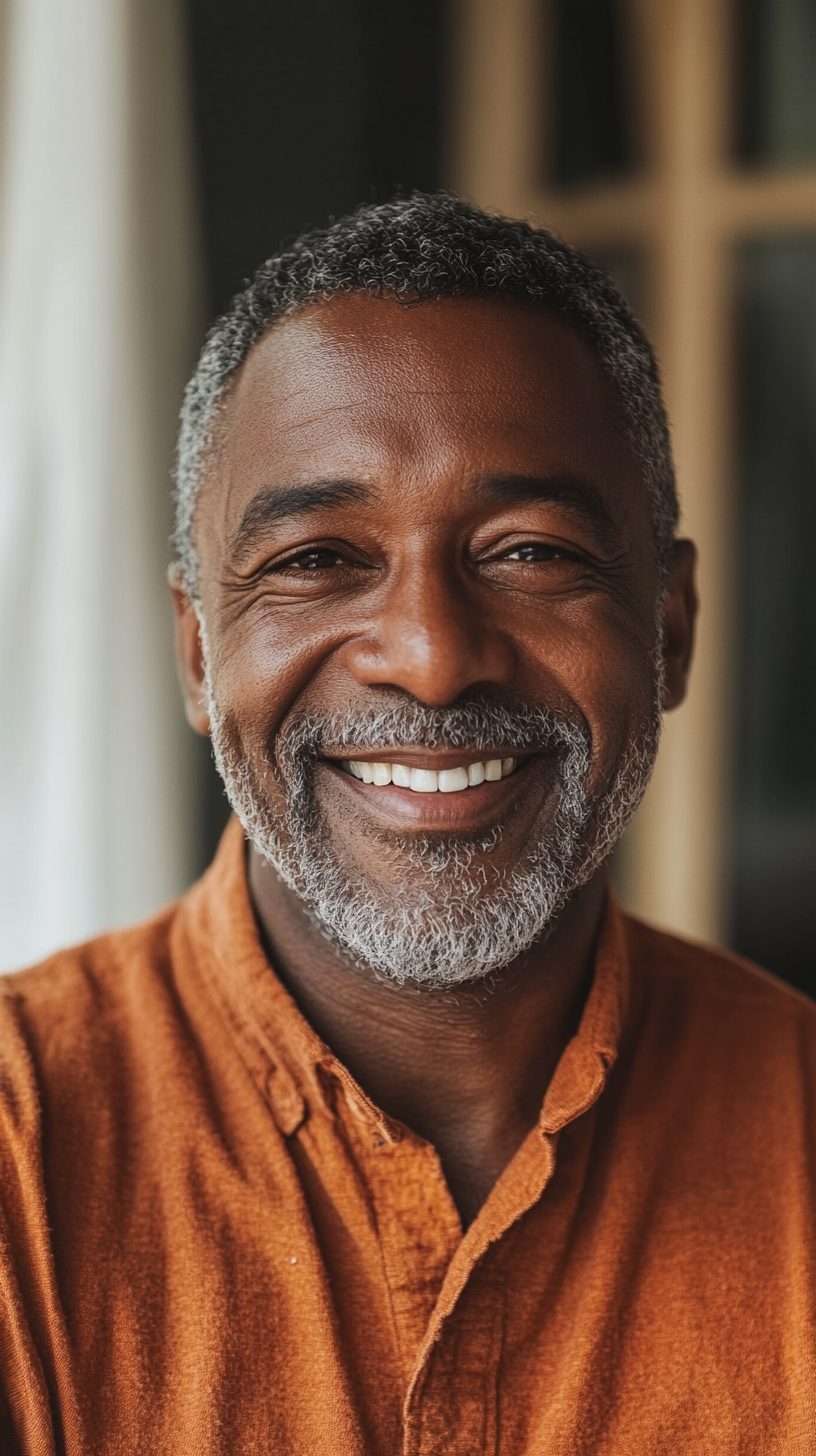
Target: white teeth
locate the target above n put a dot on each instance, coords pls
(428, 781)
(424, 781)
(452, 779)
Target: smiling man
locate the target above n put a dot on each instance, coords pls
(395, 1135)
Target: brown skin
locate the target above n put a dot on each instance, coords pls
(433, 583)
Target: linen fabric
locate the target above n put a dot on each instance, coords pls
(212, 1243)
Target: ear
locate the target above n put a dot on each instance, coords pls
(679, 617)
(189, 653)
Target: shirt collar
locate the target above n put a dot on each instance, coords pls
(582, 1070)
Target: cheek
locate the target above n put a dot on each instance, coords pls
(261, 668)
(598, 663)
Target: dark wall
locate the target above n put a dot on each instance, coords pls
(301, 111)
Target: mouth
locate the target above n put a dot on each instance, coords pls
(427, 780)
(444, 790)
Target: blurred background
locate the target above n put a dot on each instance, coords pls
(152, 153)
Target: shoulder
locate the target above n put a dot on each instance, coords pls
(721, 1014)
(93, 980)
(67, 1024)
(711, 974)
(79, 1037)
(129, 986)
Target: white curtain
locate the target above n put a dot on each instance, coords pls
(99, 315)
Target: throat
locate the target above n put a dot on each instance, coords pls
(475, 1148)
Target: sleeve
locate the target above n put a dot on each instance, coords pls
(31, 1331)
(9, 1444)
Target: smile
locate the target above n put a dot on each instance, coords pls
(431, 781)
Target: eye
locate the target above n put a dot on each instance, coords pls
(320, 558)
(533, 551)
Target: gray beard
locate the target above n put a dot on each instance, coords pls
(457, 917)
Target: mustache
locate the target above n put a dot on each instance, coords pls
(477, 724)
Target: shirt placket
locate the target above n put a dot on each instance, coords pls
(452, 1402)
(452, 1405)
(447, 1291)
(418, 1226)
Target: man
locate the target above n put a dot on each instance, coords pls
(395, 1135)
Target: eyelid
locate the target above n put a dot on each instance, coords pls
(282, 563)
(504, 548)
(292, 554)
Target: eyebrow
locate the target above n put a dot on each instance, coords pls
(274, 504)
(577, 493)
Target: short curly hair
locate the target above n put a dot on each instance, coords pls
(418, 248)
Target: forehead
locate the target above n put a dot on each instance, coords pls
(432, 395)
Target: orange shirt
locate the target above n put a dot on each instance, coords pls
(212, 1243)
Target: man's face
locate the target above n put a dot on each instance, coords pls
(424, 542)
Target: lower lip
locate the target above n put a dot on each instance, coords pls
(474, 807)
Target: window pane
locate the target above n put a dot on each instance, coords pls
(775, 822)
(776, 121)
(592, 132)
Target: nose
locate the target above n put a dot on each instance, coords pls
(432, 638)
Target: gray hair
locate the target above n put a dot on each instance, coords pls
(419, 248)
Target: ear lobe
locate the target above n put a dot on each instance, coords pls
(679, 618)
(189, 655)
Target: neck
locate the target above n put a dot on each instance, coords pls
(465, 1068)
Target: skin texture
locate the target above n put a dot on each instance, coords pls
(442, 566)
